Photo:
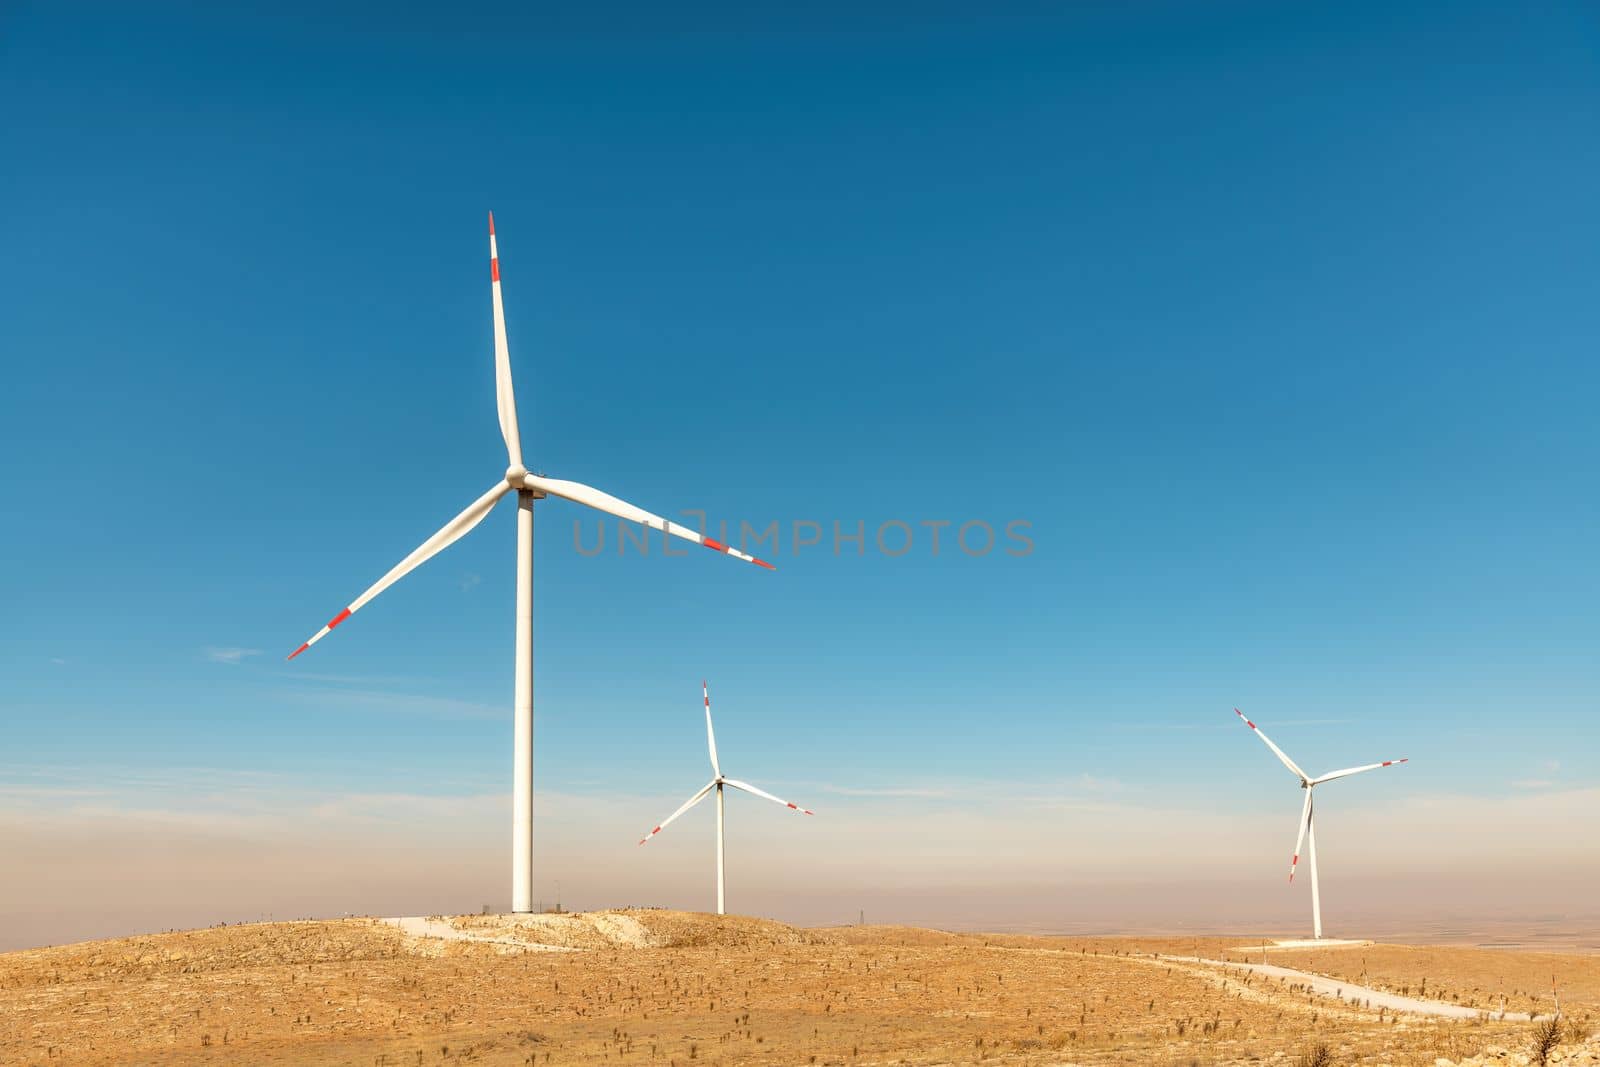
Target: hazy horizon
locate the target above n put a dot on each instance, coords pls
(1067, 858)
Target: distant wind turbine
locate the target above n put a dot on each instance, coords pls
(1308, 834)
(717, 783)
(528, 487)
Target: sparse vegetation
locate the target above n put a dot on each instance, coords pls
(1318, 1055)
(1547, 1034)
(667, 989)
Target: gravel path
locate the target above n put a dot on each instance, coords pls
(1356, 995)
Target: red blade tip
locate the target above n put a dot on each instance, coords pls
(491, 224)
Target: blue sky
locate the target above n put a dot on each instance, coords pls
(1275, 324)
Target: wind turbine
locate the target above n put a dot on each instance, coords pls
(717, 783)
(528, 487)
(1308, 834)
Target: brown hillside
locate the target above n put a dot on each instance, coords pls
(672, 988)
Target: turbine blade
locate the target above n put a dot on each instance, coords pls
(1358, 770)
(579, 493)
(1276, 751)
(711, 737)
(1305, 821)
(452, 532)
(505, 399)
(687, 804)
(748, 788)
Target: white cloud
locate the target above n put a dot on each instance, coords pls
(228, 654)
(1222, 724)
(389, 701)
(888, 791)
(367, 680)
(1546, 778)
(1057, 792)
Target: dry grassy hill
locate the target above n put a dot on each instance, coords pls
(670, 988)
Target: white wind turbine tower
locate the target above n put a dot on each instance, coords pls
(1308, 833)
(717, 783)
(528, 487)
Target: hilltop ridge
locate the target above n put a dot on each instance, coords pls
(670, 987)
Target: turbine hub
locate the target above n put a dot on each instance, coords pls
(515, 475)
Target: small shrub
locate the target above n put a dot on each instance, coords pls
(1546, 1036)
(1318, 1055)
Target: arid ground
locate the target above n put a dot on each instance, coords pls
(669, 988)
